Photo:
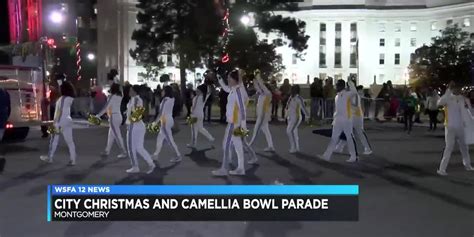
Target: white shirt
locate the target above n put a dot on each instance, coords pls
(295, 107)
(197, 110)
(63, 110)
(455, 109)
(134, 102)
(432, 102)
(344, 107)
(166, 109)
(112, 106)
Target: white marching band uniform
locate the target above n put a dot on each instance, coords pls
(165, 118)
(457, 117)
(197, 111)
(136, 137)
(295, 108)
(358, 125)
(343, 123)
(62, 122)
(236, 117)
(263, 113)
(112, 108)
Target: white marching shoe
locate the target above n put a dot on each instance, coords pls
(151, 168)
(71, 163)
(220, 172)
(176, 159)
(368, 152)
(104, 154)
(269, 149)
(46, 159)
(133, 170)
(442, 173)
(352, 159)
(238, 172)
(122, 156)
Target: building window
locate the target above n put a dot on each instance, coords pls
(294, 59)
(413, 42)
(434, 26)
(382, 59)
(397, 42)
(449, 22)
(354, 44)
(322, 45)
(381, 27)
(169, 58)
(397, 59)
(382, 42)
(413, 27)
(398, 27)
(337, 53)
(466, 22)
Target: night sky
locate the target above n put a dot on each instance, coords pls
(4, 31)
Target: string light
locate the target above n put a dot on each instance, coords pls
(225, 35)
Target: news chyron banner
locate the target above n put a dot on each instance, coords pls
(203, 203)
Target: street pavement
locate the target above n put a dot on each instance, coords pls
(400, 193)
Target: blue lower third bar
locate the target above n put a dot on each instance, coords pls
(205, 189)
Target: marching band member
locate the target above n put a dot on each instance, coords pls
(136, 133)
(63, 124)
(295, 107)
(165, 118)
(456, 110)
(358, 125)
(263, 112)
(115, 120)
(236, 118)
(342, 120)
(197, 111)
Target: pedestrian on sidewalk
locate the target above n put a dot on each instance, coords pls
(432, 108)
(63, 124)
(285, 91)
(457, 118)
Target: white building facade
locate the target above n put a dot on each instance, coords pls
(371, 38)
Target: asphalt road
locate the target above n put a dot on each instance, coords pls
(400, 193)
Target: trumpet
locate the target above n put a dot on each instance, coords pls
(92, 119)
(153, 127)
(241, 132)
(137, 114)
(191, 120)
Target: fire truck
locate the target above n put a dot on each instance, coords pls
(26, 89)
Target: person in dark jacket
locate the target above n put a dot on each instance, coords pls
(5, 110)
(188, 98)
(316, 91)
(222, 105)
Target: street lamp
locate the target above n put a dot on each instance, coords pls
(56, 17)
(91, 56)
(245, 20)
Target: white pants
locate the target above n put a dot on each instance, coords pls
(66, 131)
(358, 125)
(453, 134)
(166, 133)
(232, 141)
(197, 128)
(262, 125)
(135, 138)
(339, 127)
(114, 133)
(292, 133)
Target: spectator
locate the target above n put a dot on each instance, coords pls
(285, 90)
(5, 110)
(432, 108)
(276, 98)
(188, 100)
(99, 100)
(44, 116)
(409, 103)
(329, 94)
(222, 105)
(125, 100)
(178, 104)
(157, 99)
(209, 78)
(316, 91)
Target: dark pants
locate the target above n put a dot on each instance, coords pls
(283, 104)
(207, 111)
(433, 114)
(188, 108)
(275, 105)
(44, 129)
(408, 117)
(223, 112)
